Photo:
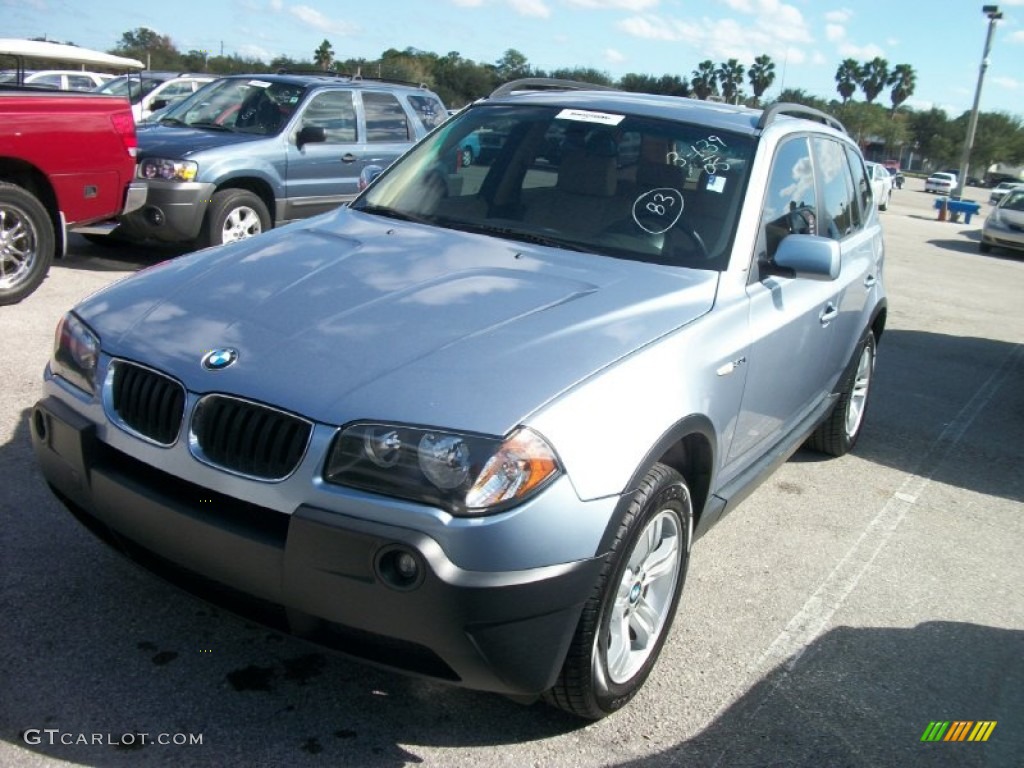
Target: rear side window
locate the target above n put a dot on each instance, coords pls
(790, 199)
(385, 118)
(840, 216)
(860, 180)
(429, 110)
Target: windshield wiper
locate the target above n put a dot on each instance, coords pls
(171, 121)
(514, 234)
(392, 213)
(212, 126)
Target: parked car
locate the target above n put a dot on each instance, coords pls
(881, 184)
(1001, 189)
(152, 91)
(470, 425)
(941, 183)
(249, 152)
(60, 80)
(1004, 226)
(67, 162)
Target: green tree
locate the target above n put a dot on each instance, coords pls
(323, 56)
(874, 76)
(903, 79)
(761, 75)
(156, 50)
(582, 74)
(730, 75)
(512, 66)
(847, 79)
(800, 96)
(704, 82)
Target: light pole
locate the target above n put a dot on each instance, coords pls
(994, 14)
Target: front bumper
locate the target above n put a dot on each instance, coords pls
(1003, 237)
(173, 212)
(319, 574)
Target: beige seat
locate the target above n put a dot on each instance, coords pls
(583, 198)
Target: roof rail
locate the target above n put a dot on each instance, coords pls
(798, 110)
(356, 78)
(546, 84)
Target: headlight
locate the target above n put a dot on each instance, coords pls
(465, 474)
(76, 350)
(168, 170)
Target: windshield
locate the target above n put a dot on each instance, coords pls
(618, 185)
(128, 87)
(243, 105)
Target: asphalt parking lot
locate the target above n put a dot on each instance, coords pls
(844, 607)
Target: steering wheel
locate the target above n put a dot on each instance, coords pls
(660, 242)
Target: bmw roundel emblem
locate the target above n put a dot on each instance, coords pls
(219, 359)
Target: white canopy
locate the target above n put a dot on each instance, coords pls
(35, 49)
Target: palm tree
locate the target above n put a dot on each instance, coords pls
(847, 79)
(324, 55)
(903, 79)
(761, 75)
(705, 80)
(874, 76)
(730, 75)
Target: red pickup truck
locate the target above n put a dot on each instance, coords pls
(66, 160)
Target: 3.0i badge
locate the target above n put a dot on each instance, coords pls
(219, 359)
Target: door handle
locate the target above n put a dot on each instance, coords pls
(828, 314)
(348, 157)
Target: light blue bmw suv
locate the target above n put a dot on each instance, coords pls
(471, 425)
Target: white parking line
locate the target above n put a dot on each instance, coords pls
(811, 620)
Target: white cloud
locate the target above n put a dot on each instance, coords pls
(613, 57)
(256, 52)
(774, 29)
(535, 8)
(1007, 82)
(1017, 37)
(835, 32)
(841, 16)
(862, 52)
(622, 5)
(468, 3)
(314, 18)
(277, 5)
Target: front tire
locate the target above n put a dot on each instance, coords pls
(27, 241)
(628, 616)
(838, 434)
(467, 157)
(235, 214)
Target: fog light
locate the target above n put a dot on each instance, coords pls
(400, 568)
(154, 216)
(39, 424)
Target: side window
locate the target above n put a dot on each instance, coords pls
(861, 181)
(840, 216)
(50, 81)
(334, 112)
(80, 83)
(790, 199)
(385, 118)
(430, 112)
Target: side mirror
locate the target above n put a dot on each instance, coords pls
(806, 256)
(368, 175)
(311, 134)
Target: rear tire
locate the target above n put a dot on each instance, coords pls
(984, 247)
(838, 433)
(27, 243)
(628, 616)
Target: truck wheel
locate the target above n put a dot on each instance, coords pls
(838, 434)
(627, 618)
(26, 243)
(235, 214)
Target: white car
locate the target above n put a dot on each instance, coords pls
(64, 80)
(1000, 189)
(158, 90)
(1004, 227)
(941, 183)
(881, 184)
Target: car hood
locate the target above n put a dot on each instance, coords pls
(351, 316)
(175, 142)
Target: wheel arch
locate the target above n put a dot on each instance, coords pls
(688, 447)
(29, 177)
(259, 187)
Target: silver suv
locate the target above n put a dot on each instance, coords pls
(471, 425)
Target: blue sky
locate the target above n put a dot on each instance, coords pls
(942, 39)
